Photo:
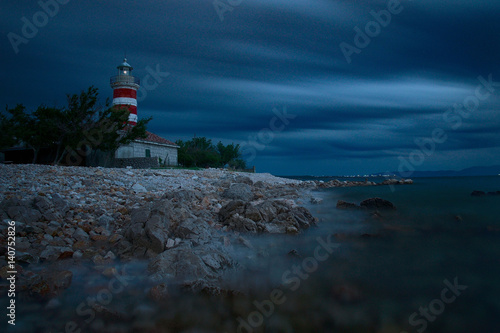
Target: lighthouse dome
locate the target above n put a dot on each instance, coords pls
(125, 64)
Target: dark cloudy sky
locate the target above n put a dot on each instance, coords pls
(358, 114)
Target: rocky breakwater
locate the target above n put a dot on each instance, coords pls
(366, 182)
(184, 223)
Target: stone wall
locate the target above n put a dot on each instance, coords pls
(137, 162)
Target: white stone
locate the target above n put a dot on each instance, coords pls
(170, 243)
(138, 188)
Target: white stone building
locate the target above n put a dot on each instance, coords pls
(151, 146)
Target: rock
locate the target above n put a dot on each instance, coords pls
(157, 232)
(238, 191)
(62, 280)
(138, 188)
(236, 206)
(242, 224)
(110, 255)
(52, 253)
(196, 230)
(377, 203)
(149, 228)
(186, 263)
(42, 204)
(48, 283)
(243, 180)
(26, 258)
(115, 238)
(478, 193)
(65, 255)
(159, 292)
(97, 237)
(140, 215)
(341, 204)
(245, 242)
(170, 243)
(54, 224)
(24, 214)
(271, 216)
(100, 260)
(316, 201)
(260, 184)
(59, 203)
(81, 245)
(105, 220)
(182, 196)
(397, 182)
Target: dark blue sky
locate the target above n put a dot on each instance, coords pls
(356, 103)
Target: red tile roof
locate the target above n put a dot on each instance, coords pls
(151, 137)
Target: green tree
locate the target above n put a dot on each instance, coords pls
(88, 126)
(82, 127)
(25, 129)
(201, 152)
(8, 126)
(228, 153)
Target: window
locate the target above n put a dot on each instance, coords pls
(148, 152)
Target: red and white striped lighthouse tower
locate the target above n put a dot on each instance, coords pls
(125, 90)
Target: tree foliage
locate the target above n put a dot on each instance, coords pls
(81, 127)
(201, 152)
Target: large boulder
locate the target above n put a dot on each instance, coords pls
(183, 196)
(341, 204)
(197, 230)
(377, 203)
(23, 214)
(148, 229)
(238, 191)
(47, 209)
(269, 216)
(243, 180)
(189, 263)
(52, 253)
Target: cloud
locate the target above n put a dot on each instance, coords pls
(226, 77)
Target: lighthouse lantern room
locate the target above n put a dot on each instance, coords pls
(125, 90)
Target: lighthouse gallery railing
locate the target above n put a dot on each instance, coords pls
(124, 79)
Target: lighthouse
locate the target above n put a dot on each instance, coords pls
(125, 90)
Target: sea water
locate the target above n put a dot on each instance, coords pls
(400, 262)
(431, 265)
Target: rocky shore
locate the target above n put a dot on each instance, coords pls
(183, 224)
